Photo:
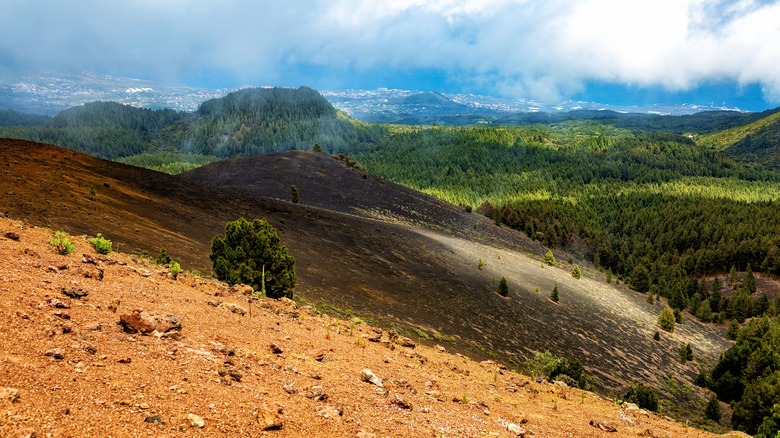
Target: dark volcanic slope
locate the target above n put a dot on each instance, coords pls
(328, 183)
(393, 272)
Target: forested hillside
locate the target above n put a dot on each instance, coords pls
(247, 122)
(655, 209)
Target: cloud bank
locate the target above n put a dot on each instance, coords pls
(543, 49)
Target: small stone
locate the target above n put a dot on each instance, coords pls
(195, 421)
(114, 305)
(516, 429)
(276, 349)
(147, 322)
(316, 393)
(143, 406)
(57, 304)
(318, 355)
(290, 388)
(9, 394)
(368, 376)
(401, 402)
(236, 375)
(154, 419)
(75, 293)
(233, 308)
(125, 360)
(11, 235)
(224, 349)
(55, 353)
(331, 411)
(270, 419)
(602, 425)
(440, 348)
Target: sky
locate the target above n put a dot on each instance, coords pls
(632, 51)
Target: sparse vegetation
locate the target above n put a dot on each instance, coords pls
(576, 273)
(554, 294)
(686, 353)
(644, 396)
(294, 196)
(252, 253)
(61, 243)
(174, 268)
(100, 244)
(503, 287)
(480, 263)
(549, 258)
(162, 257)
(546, 365)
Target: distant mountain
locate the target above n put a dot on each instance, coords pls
(246, 122)
(415, 107)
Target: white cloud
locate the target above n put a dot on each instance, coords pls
(536, 48)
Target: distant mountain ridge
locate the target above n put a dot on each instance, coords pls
(263, 120)
(246, 122)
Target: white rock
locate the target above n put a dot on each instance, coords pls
(367, 376)
(195, 421)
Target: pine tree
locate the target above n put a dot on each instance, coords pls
(712, 412)
(252, 253)
(294, 197)
(576, 273)
(554, 294)
(503, 287)
(666, 319)
(704, 313)
(749, 282)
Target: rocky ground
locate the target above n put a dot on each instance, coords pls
(94, 345)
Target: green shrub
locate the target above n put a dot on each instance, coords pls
(549, 258)
(100, 244)
(174, 268)
(294, 196)
(162, 257)
(576, 272)
(542, 365)
(61, 244)
(644, 396)
(657, 336)
(686, 353)
(666, 319)
(554, 294)
(252, 253)
(503, 287)
(548, 366)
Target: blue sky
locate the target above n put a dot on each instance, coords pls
(610, 51)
